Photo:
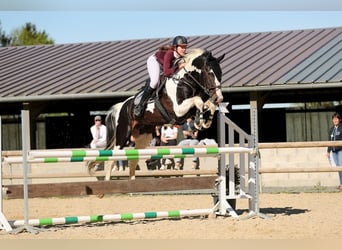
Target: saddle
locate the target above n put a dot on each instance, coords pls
(155, 98)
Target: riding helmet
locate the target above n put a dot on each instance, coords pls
(178, 40)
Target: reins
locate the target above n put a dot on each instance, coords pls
(206, 90)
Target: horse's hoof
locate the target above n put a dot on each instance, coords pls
(100, 196)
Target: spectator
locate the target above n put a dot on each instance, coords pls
(168, 137)
(99, 134)
(156, 137)
(154, 164)
(335, 134)
(190, 134)
(121, 165)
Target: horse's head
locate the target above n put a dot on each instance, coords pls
(200, 81)
(205, 68)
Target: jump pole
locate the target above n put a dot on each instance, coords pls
(113, 217)
(110, 155)
(135, 153)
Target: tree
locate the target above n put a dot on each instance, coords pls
(28, 35)
(4, 40)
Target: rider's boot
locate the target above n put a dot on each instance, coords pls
(139, 109)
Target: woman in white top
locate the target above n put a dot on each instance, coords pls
(99, 134)
(168, 137)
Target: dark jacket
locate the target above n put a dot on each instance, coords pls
(335, 135)
(185, 127)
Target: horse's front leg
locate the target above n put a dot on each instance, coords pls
(204, 118)
(210, 107)
(186, 105)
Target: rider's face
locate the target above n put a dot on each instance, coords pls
(181, 49)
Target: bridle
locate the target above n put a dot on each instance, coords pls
(208, 91)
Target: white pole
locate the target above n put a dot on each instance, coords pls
(114, 217)
(139, 152)
(3, 221)
(223, 206)
(25, 131)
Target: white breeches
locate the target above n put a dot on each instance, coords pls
(153, 69)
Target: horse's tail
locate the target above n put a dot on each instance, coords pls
(111, 124)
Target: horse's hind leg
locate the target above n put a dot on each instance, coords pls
(141, 142)
(90, 166)
(108, 166)
(132, 164)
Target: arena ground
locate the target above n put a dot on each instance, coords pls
(292, 215)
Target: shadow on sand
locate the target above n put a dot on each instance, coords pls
(277, 211)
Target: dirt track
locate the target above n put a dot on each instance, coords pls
(292, 216)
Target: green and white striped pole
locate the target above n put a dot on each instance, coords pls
(93, 158)
(140, 152)
(124, 154)
(112, 217)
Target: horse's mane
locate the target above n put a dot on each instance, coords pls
(192, 54)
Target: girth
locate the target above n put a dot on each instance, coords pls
(168, 117)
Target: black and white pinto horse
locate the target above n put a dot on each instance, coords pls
(194, 91)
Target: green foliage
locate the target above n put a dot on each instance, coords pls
(4, 40)
(28, 35)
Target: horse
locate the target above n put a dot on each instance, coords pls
(193, 91)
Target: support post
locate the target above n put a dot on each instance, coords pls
(254, 161)
(3, 221)
(25, 132)
(222, 205)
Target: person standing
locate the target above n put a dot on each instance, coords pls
(190, 134)
(156, 137)
(168, 137)
(335, 134)
(164, 58)
(154, 164)
(99, 134)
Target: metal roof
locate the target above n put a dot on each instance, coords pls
(253, 61)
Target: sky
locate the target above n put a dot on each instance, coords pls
(75, 21)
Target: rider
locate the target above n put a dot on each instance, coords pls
(164, 57)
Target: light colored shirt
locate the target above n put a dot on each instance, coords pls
(169, 132)
(99, 135)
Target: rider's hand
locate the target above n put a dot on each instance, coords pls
(181, 65)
